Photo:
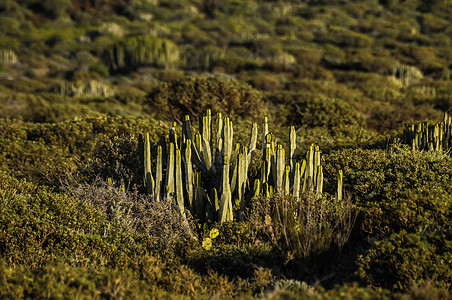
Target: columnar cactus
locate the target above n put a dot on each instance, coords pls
(208, 174)
(158, 174)
(339, 185)
(226, 209)
(148, 179)
(424, 136)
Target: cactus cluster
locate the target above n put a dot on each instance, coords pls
(407, 74)
(91, 88)
(208, 174)
(8, 56)
(424, 136)
(138, 51)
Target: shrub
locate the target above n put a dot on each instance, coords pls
(266, 81)
(48, 152)
(406, 259)
(395, 190)
(324, 112)
(39, 226)
(56, 8)
(292, 289)
(134, 213)
(306, 226)
(201, 59)
(194, 95)
(63, 281)
(347, 38)
(427, 291)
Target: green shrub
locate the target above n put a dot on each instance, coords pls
(354, 291)
(201, 59)
(62, 281)
(323, 112)
(39, 226)
(346, 38)
(266, 81)
(48, 152)
(395, 190)
(194, 95)
(234, 64)
(407, 259)
(56, 8)
(292, 289)
(428, 291)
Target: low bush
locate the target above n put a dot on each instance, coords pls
(324, 112)
(63, 281)
(293, 289)
(131, 212)
(396, 190)
(194, 95)
(39, 226)
(47, 153)
(407, 259)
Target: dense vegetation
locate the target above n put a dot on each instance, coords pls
(81, 80)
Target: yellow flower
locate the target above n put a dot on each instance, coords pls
(207, 243)
(214, 233)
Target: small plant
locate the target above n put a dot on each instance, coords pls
(207, 241)
(131, 212)
(407, 259)
(307, 225)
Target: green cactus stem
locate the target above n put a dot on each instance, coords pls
(158, 174)
(170, 171)
(179, 193)
(226, 208)
(148, 179)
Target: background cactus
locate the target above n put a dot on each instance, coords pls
(138, 51)
(424, 136)
(91, 88)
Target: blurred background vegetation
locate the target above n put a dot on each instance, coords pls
(80, 79)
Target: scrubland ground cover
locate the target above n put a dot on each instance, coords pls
(81, 80)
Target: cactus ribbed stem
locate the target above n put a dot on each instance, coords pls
(226, 210)
(188, 173)
(170, 171)
(158, 174)
(178, 183)
(148, 179)
(339, 185)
